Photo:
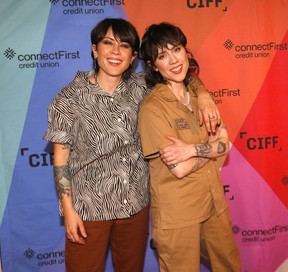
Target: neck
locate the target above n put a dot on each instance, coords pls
(181, 93)
(179, 90)
(107, 83)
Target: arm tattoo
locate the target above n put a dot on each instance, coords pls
(171, 166)
(66, 146)
(62, 177)
(221, 147)
(203, 150)
(200, 162)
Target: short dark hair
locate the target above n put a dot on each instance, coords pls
(159, 36)
(123, 31)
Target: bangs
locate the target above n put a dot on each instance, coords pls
(161, 38)
(167, 38)
(121, 34)
(123, 31)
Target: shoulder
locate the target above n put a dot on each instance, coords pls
(79, 82)
(136, 85)
(138, 79)
(156, 95)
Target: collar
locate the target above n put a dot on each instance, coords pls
(163, 91)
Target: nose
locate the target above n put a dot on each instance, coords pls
(172, 59)
(116, 48)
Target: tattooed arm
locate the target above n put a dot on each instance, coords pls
(62, 175)
(218, 145)
(183, 159)
(182, 169)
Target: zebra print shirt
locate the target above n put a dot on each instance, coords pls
(110, 177)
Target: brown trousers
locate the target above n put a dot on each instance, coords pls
(180, 249)
(127, 239)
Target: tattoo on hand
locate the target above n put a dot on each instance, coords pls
(171, 166)
(62, 177)
(221, 147)
(203, 150)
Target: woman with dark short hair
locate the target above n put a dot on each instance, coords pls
(189, 211)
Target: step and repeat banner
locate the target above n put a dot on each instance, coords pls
(242, 48)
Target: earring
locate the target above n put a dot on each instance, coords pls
(95, 64)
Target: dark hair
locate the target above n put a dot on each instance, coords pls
(123, 31)
(159, 36)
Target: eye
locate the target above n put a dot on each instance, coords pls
(125, 45)
(161, 56)
(107, 42)
(177, 48)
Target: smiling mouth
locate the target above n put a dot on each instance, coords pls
(114, 61)
(176, 69)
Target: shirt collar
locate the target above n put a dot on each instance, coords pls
(166, 93)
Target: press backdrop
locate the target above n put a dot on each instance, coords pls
(241, 46)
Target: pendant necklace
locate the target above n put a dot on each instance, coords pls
(188, 99)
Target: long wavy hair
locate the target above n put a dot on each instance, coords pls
(159, 36)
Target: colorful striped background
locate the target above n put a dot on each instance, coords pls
(242, 48)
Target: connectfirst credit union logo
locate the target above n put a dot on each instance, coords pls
(90, 7)
(41, 60)
(220, 94)
(45, 259)
(255, 50)
(259, 235)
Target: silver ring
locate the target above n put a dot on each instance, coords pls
(211, 117)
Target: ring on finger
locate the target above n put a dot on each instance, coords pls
(211, 117)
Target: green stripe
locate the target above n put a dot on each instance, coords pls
(22, 28)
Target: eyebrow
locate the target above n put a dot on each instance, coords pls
(115, 39)
(109, 38)
(164, 49)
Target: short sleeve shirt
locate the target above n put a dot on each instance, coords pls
(177, 202)
(110, 176)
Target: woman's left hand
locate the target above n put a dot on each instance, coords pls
(208, 112)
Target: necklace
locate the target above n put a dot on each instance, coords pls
(188, 99)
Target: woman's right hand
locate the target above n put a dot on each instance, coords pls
(74, 227)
